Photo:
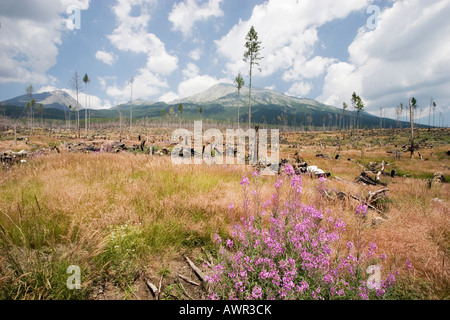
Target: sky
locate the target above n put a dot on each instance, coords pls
(386, 51)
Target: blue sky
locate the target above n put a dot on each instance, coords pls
(322, 50)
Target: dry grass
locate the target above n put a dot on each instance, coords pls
(62, 209)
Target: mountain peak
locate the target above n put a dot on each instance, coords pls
(215, 92)
(227, 95)
(58, 99)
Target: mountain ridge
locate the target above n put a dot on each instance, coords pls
(220, 102)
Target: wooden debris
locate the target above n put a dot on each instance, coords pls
(197, 271)
(188, 280)
(371, 200)
(342, 180)
(207, 263)
(377, 195)
(185, 292)
(364, 178)
(152, 287)
(159, 290)
(380, 172)
(209, 256)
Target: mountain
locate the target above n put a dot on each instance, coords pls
(227, 96)
(57, 99)
(135, 104)
(220, 102)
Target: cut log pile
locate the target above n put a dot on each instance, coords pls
(372, 175)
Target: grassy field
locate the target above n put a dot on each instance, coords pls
(130, 217)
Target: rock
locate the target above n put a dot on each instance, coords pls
(438, 178)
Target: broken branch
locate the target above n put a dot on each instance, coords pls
(188, 280)
(197, 271)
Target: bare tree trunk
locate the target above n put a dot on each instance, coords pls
(411, 113)
(250, 97)
(85, 116)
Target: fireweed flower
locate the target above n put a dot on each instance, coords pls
(408, 265)
(361, 210)
(291, 255)
(349, 245)
(217, 239)
(372, 249)
(289, 170)
(231, 206)
(257, 292)
(255, 174)
(245, 181)
(297, 183)
(278, 184)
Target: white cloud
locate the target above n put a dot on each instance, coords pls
(106, 57)
(146, 85)
(340, 83)
(405, 56)
(131, 35)
(185, 14)
(289, 40)
(168, 97)
(299, 89)
(195, 54)
(196, 85)
(190, 71)
(104, 80)
(308, 69)
(193, 83)
(30, 35)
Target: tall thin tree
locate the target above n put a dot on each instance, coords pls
(358, 104)
(86, 81)
(344, 107)
(29, 91)
(252, 56)
(76, 88)
(32, 104)
(131, 104)
(41, 113)
(412, 109)
(239, 82)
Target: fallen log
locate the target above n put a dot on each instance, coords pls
(188, 280)
(152, 287)
(197, 271)
(366, 179)
(380, 172)
(371, 200)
